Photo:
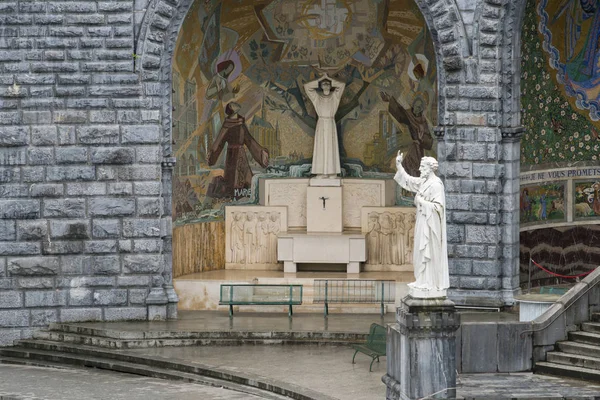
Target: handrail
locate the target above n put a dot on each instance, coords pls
(565, 308)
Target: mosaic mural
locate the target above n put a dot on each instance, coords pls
(587, 199)
(240, 111)
(540, 203)
(561, 83)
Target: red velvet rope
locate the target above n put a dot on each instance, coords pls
(559, 275)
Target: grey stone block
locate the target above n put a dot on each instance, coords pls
(43, 317)
(514, 348)
(479, 347)
(105, 265)
(46, 190)
(71, 155)
(19, 248)
(13, 156)
(14, 318)
(63, 247)
(14, 136)
(86, 189)
(80, 314)
(69, 229)
(8, 336)
(125, 314)
(35, 283)
(146, 188)
(133, 280)
(117, 155)
(70, 173)
(81, 297)
(110, 207)
(100, 134)
(142, 228)
(149, 207)
(105, 228)
(112, 297)
(120, 188)
(45, 298)
(8, 230)
(137, 296)
(100, 246)
(44, 135)
(11, 299)
(143, 264)
(147, 245)
(19, 209)
(32, 230)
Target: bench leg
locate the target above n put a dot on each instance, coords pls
(326, 309)
(231, 311)
(291, 312)
(372, 361)
(354, 356)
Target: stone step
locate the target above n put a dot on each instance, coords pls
(551, 368)
(66, 363)
(585, 337)
(75, 329)
(595, 317)
(576, 360)
(37, 351)
(205, 339)
(591, 327)
(583, 349)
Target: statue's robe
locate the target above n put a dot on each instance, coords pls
(430, 254)
(326, 152)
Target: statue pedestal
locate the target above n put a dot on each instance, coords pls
(421, 350)
(324, 209)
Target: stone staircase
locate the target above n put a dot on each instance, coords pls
(79, 346)
(578, 357)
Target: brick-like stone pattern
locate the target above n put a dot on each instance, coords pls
(81, 153)
(86, 155)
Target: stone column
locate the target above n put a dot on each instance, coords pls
(167, 235)
(421, 350)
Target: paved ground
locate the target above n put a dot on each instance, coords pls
(271, 322)
(29, 383)
(328, 369)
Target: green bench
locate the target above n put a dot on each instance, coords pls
(268, 295)
(338, 291)
(375, 345)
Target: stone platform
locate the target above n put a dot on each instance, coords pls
(201, 291)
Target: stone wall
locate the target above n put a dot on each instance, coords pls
(86, 155)
(84, 217)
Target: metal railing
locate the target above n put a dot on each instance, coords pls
(354, 291)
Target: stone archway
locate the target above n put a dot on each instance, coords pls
(477, 132)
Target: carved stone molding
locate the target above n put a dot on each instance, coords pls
(512, 134)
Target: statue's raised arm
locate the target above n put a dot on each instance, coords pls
(430, 255)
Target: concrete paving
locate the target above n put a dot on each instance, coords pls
(35, 383)
(328, 370)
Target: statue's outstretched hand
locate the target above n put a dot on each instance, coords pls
(399, 160)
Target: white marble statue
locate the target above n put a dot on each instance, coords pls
(326, 153)
(430, 255)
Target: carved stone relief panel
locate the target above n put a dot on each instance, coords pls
(251, 236)
(390, 237)
(286, 192)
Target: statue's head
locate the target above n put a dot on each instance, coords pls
(325, 86)
(274, 217)
(262, 216)
(428, 166)
(250, 216)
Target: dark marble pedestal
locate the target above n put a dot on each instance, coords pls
(421, 350)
